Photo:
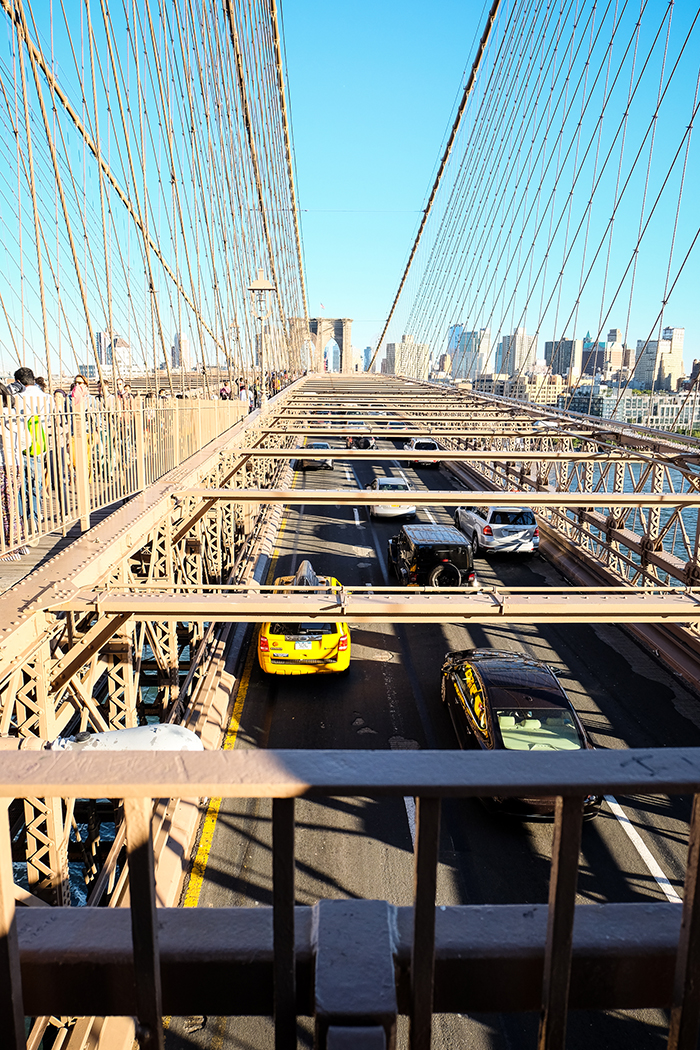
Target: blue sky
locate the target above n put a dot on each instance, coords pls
(373, 91)
(373, 87)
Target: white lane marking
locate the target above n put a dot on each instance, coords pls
(350, 479)
(410, 804)
(643, 850)
(429, 515)
(357, 516)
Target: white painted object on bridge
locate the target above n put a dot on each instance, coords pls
(141, 738)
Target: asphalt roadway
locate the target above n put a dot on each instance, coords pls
(634, 850)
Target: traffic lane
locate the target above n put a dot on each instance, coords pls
(625, 699)
(582, 655)
(611, 865)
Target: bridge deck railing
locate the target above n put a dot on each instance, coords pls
(350, 963)
(59, 467)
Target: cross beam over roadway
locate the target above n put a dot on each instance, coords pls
(446, 498)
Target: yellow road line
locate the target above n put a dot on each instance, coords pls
(199, 867)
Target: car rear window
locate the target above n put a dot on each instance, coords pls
(394, 486)
(513, 517)
(301, 630)
(539, 729)
(425, 446)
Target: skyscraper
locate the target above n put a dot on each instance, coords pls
(659, 362)
(180, 353)
(408, 358)
(470, 356)
(563, 356)
(517, 352)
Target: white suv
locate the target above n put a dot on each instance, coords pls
(506, 529)
(422, 445)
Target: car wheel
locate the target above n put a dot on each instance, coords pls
(476, 549)
(445, 575)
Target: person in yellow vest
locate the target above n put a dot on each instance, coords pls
(34, 408)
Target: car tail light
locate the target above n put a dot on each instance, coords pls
(487, 530)
(536, 532)
(343, 643)
(264, 644)
(412, 575)
(471, 577)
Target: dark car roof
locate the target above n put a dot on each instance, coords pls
(435, 534)
(517, 681)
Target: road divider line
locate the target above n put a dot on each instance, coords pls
(357, 516)
(643, 850)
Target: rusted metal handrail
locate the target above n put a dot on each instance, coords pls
(284, 775)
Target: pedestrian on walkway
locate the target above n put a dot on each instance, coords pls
(10, 478)
(35, 408)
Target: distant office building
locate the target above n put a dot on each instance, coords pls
(366, 358)
(454, 334)
(516, 353)
(113, 353)
(492, 383)
(593, 356)
(540, 389)
(180, 352)
(563, 357)
(670, 412)
(408, 358)
(103, 346)
(596, 404)
(470, 356)
(659, 363)
(121, 356)
(616, 356)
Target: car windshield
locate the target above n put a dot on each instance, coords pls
(301, 630)
(394, 486)
(320, 444)
(513, 517)
(539, 729)
(426, 446)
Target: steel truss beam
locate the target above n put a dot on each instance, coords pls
(400, 605)
(512, 456)
(446, 498)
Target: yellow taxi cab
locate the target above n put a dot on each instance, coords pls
(304, 648)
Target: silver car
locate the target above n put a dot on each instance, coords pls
(506, 529)
(319, 446)
(391, 510)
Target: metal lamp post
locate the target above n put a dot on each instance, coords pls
(262, 309)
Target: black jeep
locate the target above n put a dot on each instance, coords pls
(433, 556)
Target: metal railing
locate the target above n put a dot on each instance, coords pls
(59, 467)
(286, 961)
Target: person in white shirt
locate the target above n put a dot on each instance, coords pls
(35, 408)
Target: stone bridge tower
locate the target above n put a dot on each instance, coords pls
(320, 331)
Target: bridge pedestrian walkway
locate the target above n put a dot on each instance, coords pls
(47, 546)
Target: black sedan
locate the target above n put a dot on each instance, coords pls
(506, 701)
